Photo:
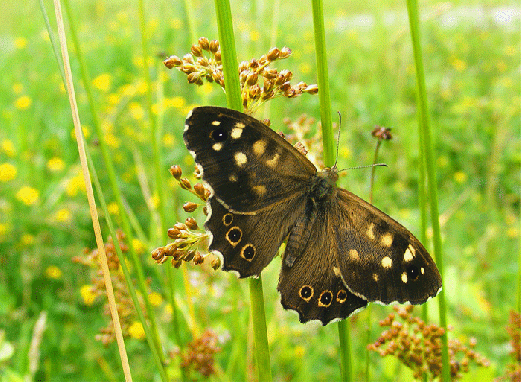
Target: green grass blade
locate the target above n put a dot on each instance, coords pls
(233, 98)
(111, 173)
(412, 8)
(329, 152)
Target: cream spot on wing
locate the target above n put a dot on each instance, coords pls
(375, 277)
(387, 262)
(387, 240)
(353, 254)
(240, 159)
(186, 127)
(216, 123)
(408, 255)
(217, 146)
(422, 269)
(259, 190)
(232, 178)
(236, 133)
(404, 277)
(337, 271)
(240, 125)
(259, 147)
(369, 232)
(273, 161)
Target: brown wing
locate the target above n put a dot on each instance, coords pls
(248, 165)
(379, 259)
(310, 283)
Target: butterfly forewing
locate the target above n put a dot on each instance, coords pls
(248, 165)
(379, 259)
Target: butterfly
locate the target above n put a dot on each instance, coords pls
(341, 252)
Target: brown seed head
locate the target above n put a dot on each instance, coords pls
(176, 172)
(214, 46)
(190, 206)
(273, 54)
(172, 62)
(191, 224)
(204, 43)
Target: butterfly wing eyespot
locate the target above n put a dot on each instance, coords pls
(219, 134)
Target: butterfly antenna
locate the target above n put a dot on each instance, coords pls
(369, 165)
(338, 138)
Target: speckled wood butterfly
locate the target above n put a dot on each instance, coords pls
(341, 252)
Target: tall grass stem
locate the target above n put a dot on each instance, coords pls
(425, 131)
(234, 101)
(90, 194)
(111, 173)
(328, 143)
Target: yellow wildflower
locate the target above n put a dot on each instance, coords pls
(176, 24)
(513, 232)
(458, 64)
(112, 141)
(305, 67)
(74, 185)
(3, 229)
(300, 351)
(63, 215)
(345, 152)
(20, 42)
(136, 110)
(136, 330)
(168, 140)
(155, 298)
(7, 172)
(88, 295)
(154, 201)
(113, 208)
(510, 50)
(460, 177)
(177, 102)
(142, 87)
(23, 102)
(254, 36)
(27, 239)
(8, 148)
(18, 88)
(102, 82)
(27, 195)
(55, 164)
(53, 272)
(138, 245)
(205, 89)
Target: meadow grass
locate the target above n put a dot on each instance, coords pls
(471, 58)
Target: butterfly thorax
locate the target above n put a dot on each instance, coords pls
(323, 184)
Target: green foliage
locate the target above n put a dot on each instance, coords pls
(473, 85)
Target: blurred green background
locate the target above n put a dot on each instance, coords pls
(472, 60)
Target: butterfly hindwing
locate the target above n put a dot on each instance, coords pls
(310, 284)
(248, 165)
(248, 243)
(379, 259)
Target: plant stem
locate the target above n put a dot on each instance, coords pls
(111, 173)
(425, 131)
(329, 153)
(234, 101)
